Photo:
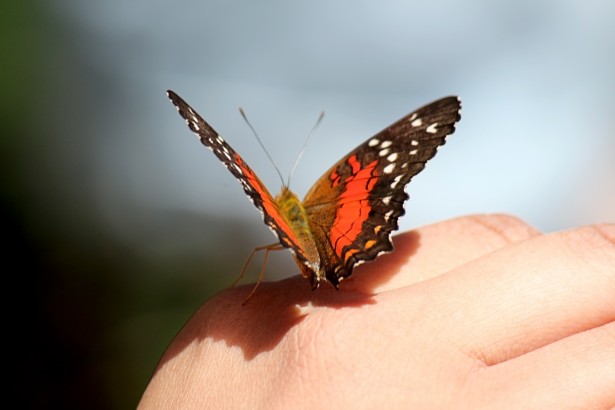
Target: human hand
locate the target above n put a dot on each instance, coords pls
(475, 312)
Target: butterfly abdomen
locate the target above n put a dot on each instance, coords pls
(293, 212)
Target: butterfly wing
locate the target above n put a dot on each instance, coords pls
(355, 205)
(252, 185)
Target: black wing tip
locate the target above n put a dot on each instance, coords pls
(459, 103)
(175, 99)
(452, 97)
(448, 104)
(454, 101)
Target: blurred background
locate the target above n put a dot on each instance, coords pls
(117, 224)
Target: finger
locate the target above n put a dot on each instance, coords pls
(434, 249)
(528, 295)
(578, 372)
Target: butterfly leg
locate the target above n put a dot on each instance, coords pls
(267, 248)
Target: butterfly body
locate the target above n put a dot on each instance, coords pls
(298, 219)
(347, 217)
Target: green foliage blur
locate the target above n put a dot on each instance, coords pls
(89, 312)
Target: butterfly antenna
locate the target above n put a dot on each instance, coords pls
(245, 118)
(314, 128)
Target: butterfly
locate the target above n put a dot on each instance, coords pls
(348, 215)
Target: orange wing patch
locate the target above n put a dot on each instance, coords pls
(269, 206)
(353, 203)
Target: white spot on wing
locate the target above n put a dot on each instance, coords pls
(433, 128)
(386, 200)
(414, 151)
(389, 168)
(373, 142)
(417, 123)
(386, 144)
(392, 157)
(396, 181)
(414, 143)
(388, 215)
(383, 152)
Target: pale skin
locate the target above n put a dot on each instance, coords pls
(475, 312)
